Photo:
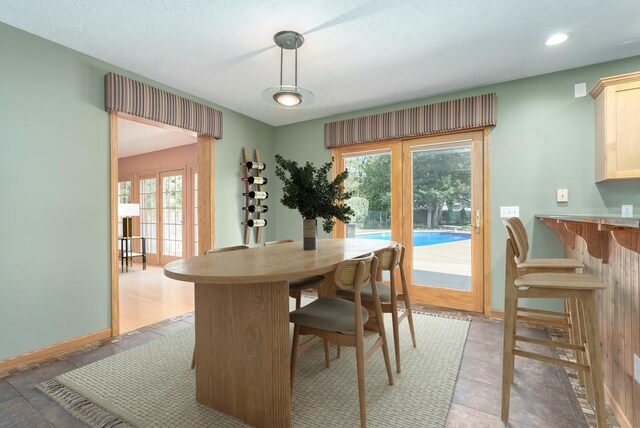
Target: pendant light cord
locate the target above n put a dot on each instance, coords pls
(296, 68)
(281, 59)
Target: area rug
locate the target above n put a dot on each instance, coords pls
(153, 384)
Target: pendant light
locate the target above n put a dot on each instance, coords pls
(288, 96)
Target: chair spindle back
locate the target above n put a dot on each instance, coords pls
(354, 273)
(388, 258)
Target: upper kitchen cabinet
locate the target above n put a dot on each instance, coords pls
(617, 127)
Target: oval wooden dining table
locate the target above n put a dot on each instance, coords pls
(242, 321)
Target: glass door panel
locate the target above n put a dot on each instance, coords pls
(369, 182)
(195, 214)
(441, 233)
(149, 213)
(172, 216)
(124, 197)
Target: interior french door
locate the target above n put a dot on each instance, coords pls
(148, 194)
(428, 194)
(172, 233)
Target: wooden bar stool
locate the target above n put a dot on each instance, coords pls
(518, 235)
(577, 287)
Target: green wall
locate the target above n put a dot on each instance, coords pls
(55, 279)
(54, 165)
(543, 140)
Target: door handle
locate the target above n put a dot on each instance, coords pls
(477, 221)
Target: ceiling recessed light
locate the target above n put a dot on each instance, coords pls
(556, 39)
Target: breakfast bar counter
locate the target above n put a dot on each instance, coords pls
(609, 246)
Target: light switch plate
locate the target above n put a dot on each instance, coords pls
(580, 89)
(562, 195)
(506, 212)
(627, 211)
(636, 368)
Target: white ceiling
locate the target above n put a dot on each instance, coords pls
(136, 138)
(357, 54)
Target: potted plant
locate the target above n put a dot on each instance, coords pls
(310, 191)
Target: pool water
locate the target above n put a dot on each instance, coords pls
(421, 238)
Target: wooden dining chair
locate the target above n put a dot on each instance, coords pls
(342, 321)
(296, 286)
(390, 259)
(213, 251)
(578, 288)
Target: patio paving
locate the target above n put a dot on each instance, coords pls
(445, 265)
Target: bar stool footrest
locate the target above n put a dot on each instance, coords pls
(565, 345)
(553, 322)
(550, 360)
(544, 312)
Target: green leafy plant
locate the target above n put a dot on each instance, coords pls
(310, 191)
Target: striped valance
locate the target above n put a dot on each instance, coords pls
(135, 98)
(465, 113)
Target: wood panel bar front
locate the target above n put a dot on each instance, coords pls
(242, 332)
(617, 263)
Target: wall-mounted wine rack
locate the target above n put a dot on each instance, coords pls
(258, 203)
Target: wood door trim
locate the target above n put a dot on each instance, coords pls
(206, 205)
(115, 280)
(440, 296)
(486, 219)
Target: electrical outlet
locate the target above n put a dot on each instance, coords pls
(627, 211)
(562, 195)
(636, 368)
(506, 212)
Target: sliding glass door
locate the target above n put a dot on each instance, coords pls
(426, 193)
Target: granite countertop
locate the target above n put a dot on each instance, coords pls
(606, 219)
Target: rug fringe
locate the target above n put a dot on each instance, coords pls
(80, 407)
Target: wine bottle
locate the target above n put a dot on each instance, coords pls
(254, 165)
(256, 195)
(255, 180)
(256, 208)
(258, 222)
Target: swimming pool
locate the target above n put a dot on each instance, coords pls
(421, 238)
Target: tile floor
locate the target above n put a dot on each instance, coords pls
(543, 395)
